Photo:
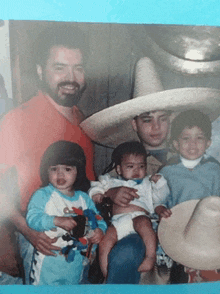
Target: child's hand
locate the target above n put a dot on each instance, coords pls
(163, 211)
(97, 236)
(66, 223)
(97, 198)
(155, 178)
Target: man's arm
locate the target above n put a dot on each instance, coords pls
(122, 195)
(10, 195)
(39, 240)
(106, 186)
(11, 127)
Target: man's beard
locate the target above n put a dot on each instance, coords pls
(67, 100)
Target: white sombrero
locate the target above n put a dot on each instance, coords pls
(191, 235)
(112, 125)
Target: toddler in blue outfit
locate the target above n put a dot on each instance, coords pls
(64, 192)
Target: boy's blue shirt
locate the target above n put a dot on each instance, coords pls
(202, 181)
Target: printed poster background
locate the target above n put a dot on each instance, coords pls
(144, 11)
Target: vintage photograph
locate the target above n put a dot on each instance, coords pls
(109, 153)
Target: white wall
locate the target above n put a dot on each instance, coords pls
(5, 68)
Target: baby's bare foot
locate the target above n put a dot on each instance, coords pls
(147, 264)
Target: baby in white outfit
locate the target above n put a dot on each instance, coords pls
(129, 161)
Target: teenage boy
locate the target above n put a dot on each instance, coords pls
(152, 129)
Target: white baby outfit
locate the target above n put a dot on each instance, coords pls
(150, 196)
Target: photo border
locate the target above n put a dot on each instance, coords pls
(186, 12)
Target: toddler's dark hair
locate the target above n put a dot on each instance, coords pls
(131, 147)
(190, 119)
(65, 153)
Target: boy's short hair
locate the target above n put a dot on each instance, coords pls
(190, 119)
(130, 147)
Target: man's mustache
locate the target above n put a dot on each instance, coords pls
(67, 83)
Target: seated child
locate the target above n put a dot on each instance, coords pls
(129, 161)
(64, 186)
(191, 174)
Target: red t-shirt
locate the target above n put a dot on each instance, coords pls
(27, 131)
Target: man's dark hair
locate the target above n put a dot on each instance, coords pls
(65, 153)
(131, 147)
(168, 112)
(189, 119)
(59, 34)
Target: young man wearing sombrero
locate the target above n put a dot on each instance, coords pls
(113, 126)
(152, 129)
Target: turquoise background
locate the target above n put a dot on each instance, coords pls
(187, 12)
(203, 12)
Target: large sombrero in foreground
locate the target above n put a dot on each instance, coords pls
(191, 235)
(112, 126)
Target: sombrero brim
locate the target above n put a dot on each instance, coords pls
(186, 252)
(112, 126)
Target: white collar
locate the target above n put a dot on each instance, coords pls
(190, 163)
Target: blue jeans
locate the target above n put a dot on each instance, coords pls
(26, 252)
(124, 260)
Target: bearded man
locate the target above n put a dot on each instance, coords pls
(27, 131)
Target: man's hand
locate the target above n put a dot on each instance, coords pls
(163, 211)
(122, 195)
(39, 240)
(65, 222)
(97, 236)
(42, 242)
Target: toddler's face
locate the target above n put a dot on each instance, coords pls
(132, 167)
(191, 143)
(63, 177)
